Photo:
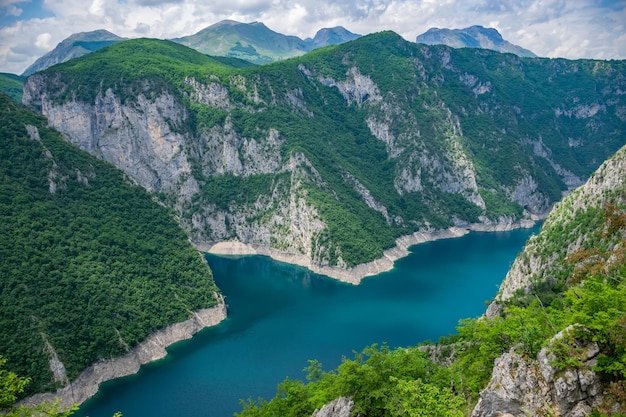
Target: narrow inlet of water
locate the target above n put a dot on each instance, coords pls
(281, 315)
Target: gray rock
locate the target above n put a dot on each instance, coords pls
(341, 407)
(523, 386)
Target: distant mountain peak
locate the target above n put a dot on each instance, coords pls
(332, 36)
(73, 46)
(472, 37)
(257, 43)
(253, 42)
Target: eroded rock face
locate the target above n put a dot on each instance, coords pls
(143, 139)
(182, 139)
(521, 386)
(533, 264)
(341, 407)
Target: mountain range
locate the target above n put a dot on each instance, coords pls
(256, 43)
(253, 42)
(472, 37)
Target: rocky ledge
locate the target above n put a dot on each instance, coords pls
(356, 274)
(151, 349)
(523, 386)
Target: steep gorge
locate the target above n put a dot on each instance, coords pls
(331, 157)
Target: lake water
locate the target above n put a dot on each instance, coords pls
(281, 315)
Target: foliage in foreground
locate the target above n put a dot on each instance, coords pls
(12, 385)
(382, 382)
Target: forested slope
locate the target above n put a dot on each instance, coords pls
(335, 154)
(555, 349)
(12, 85)
(90, 265)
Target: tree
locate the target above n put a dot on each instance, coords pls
(11, 385)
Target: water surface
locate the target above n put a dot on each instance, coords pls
(280, 315)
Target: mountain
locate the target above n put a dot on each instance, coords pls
(333, 159)
(252, 42)
(258, 44)
(472, 37)
(90, 264)
(12, 85)
(76, 45)
(330, 36)
(565, 357)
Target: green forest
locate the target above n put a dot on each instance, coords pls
(89, 262)
(11, 85)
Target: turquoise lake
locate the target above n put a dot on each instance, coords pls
(281, 315)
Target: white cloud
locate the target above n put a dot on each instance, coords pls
(565, 28)
(43, 41)
(97, 8)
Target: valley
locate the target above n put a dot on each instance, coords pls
(126, 162)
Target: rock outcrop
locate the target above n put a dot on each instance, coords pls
(341, 407)
(522, 386)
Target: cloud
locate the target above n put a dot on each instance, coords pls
(11, 10)
(142, 28)
(153, 3)
(563, 28)
(43, 41)
(8, 3)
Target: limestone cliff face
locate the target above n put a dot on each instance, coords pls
(147, 140)
(534, 264)
(534, 387)
(310, 156)
(141, 139)
(282, 220)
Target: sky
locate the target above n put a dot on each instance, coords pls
(550, 28)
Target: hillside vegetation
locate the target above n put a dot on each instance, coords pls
(11, 85)
(335, 154)
(585, 316)
(90, 265)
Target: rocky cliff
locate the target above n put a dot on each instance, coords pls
(330, 158)
(535, 387)
(582, 238)
(564, 232)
